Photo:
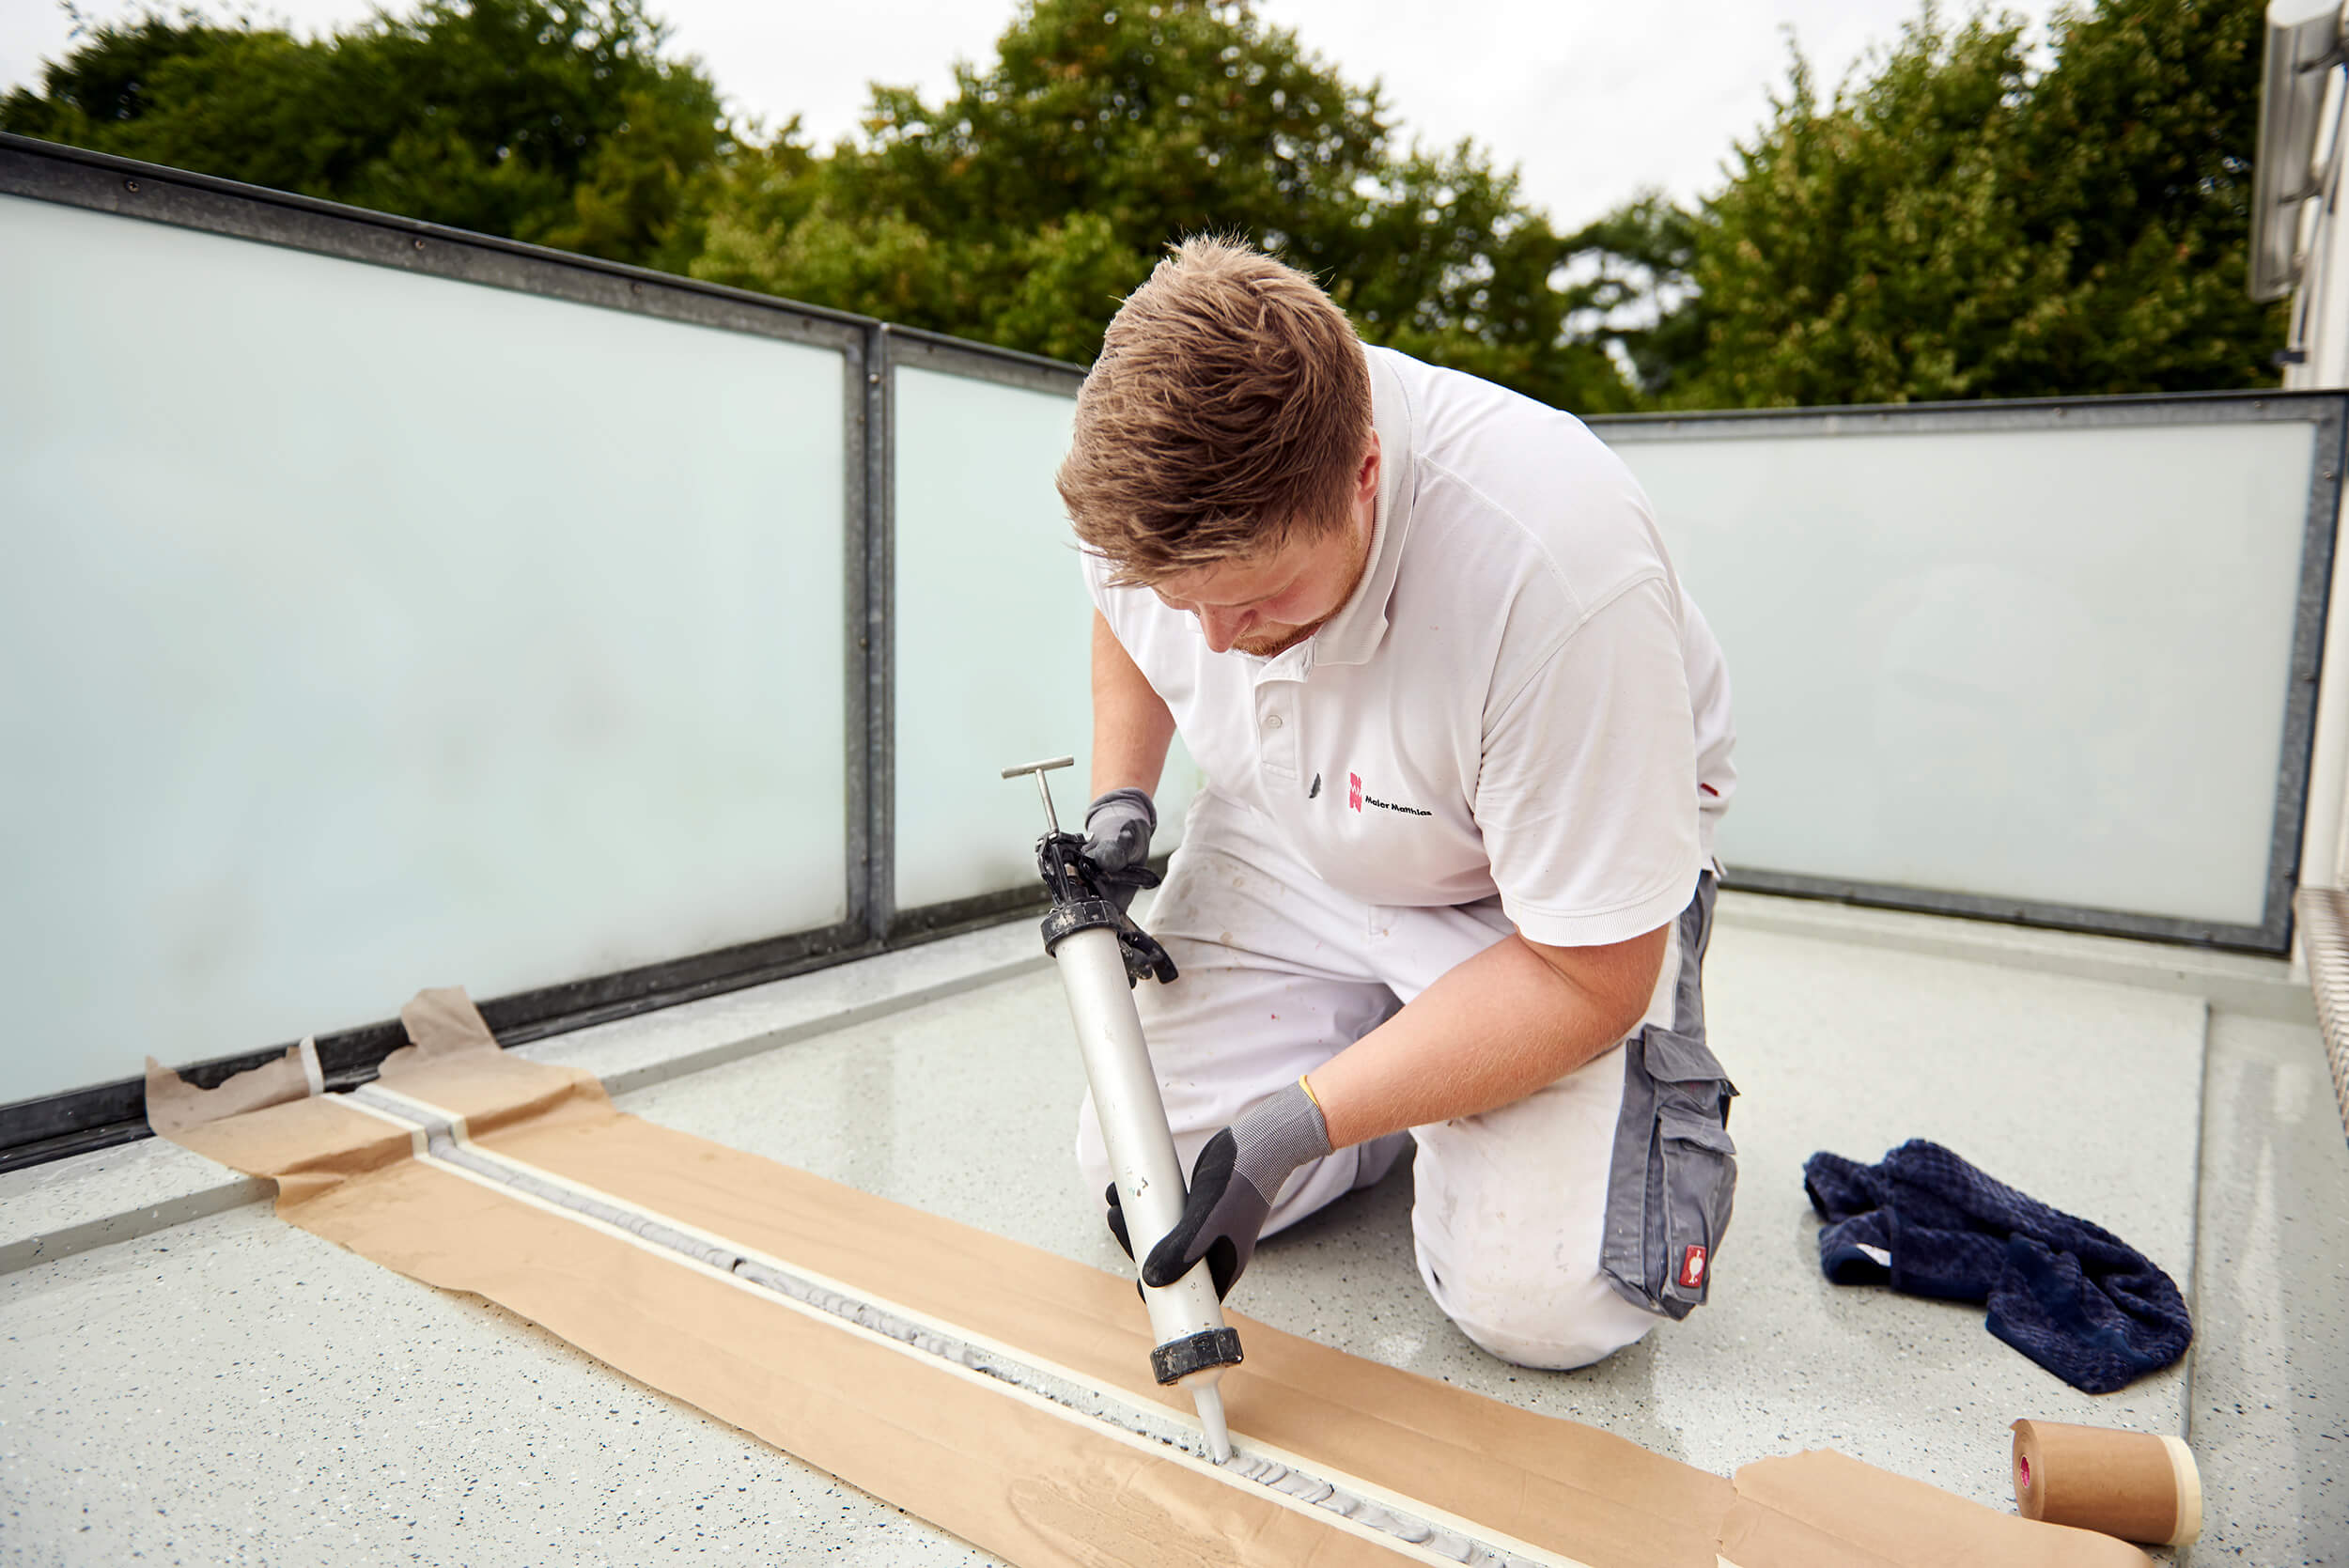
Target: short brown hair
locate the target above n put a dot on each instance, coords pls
(1227, 412)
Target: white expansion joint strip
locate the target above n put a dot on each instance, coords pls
(441, 1137)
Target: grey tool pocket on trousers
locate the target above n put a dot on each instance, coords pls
(1674, 1173)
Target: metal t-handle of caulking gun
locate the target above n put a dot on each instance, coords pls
(1101, 954)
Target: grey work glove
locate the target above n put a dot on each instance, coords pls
(1118, 839)
(1232, 1188)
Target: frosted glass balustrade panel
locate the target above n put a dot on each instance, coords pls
(2046, 665)
(366, 631)
(994, 630)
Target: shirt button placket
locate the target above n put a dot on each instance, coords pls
(1280, 742)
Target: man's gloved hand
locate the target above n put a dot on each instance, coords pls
(1232, 1188)
(1118, 839)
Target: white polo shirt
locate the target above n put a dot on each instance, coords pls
(1519, 698)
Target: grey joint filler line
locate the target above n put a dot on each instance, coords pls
(446, 1141)
(1102, 955)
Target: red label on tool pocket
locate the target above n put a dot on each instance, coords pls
(1692, 1268)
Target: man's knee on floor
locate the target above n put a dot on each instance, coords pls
(1567, 1324)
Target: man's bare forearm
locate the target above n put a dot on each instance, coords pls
(1131, 725)
(1489, 1032)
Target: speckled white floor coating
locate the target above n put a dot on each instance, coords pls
(2271, 1365)
(233, 1390)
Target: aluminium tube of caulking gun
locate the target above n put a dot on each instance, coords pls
(1089, 941)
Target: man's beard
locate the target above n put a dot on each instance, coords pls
(1271, 647)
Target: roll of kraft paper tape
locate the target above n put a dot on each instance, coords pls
(2133, 1484)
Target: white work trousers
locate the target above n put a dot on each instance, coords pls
(1280, 974)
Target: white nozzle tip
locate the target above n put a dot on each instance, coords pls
(1211, 1403)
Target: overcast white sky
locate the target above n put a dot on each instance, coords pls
(1591, 99)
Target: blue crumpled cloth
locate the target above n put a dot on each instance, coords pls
(2071, 1296)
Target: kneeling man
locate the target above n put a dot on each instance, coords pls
(1464, 740)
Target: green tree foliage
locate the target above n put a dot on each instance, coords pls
(1634, 294)
(1950, 222)
(2142, 138)
(556, 121)
(1954, 225)
(1046, 185)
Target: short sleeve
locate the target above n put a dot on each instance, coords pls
(1097, 574)
(1587, 795)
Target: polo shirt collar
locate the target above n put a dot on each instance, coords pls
(1354, 633)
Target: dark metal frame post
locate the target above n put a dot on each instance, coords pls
(878, 634)
(2327, 412)
(859, 430)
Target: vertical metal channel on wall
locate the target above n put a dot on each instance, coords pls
(54, 1125)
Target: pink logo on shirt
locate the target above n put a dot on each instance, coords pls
(1354, 790)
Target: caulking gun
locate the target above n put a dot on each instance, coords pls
(1101, 955)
